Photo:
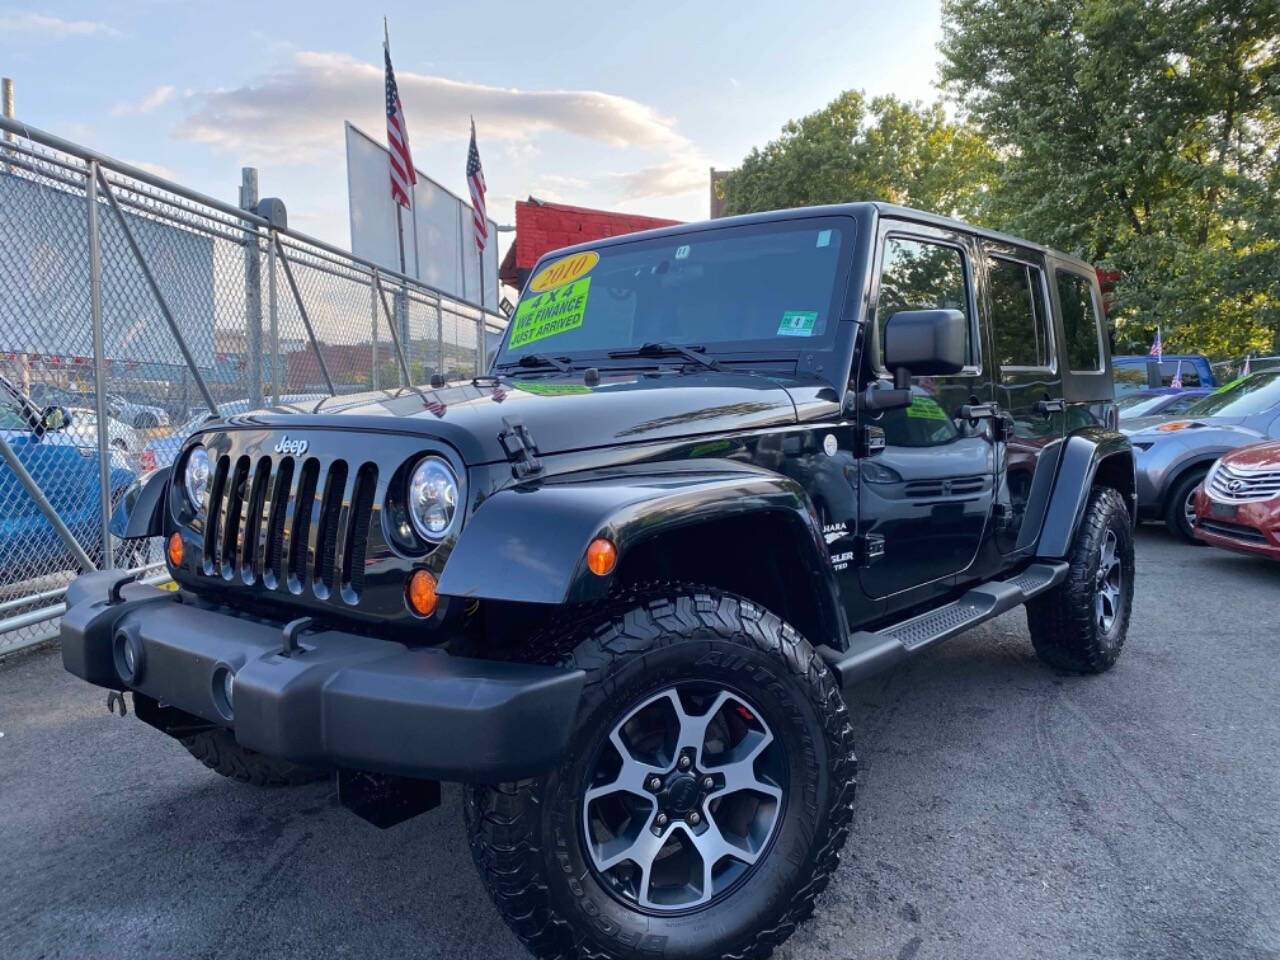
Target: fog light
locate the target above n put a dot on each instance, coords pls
(126, 650)
(601, 556)
(175, 549)
(421, 593)
(224, 692)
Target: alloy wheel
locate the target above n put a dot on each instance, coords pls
(1109, 584)
(683, 799)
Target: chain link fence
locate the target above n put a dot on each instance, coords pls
(131, 308)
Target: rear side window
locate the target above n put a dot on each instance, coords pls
(1190, 375)
(1019, 320)
(921, 275)
(1082, 342)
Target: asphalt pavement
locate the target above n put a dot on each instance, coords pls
(1003, 811)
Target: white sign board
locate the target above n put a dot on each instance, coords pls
(439, 248)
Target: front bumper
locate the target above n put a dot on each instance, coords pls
(342, 700)
(1248, 527)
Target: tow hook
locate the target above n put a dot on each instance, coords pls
(116, 698)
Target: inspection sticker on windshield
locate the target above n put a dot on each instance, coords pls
(546, 314)
(798, 323)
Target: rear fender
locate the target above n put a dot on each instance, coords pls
(1092, 454)
(528, 544)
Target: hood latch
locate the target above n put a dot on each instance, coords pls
(520, 447)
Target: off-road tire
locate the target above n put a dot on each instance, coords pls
(218, 750)
(1174, 511)
(1062, 622)
(525, 836)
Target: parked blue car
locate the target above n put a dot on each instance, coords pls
(68, 476)
(1140, 371)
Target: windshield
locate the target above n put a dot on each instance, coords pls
(1241, 398)
(1139, 404)
(769, 287)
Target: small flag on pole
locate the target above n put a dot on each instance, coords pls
(1176, 382)
(1245, 371)
(1157, 350)
(402, 175)
(475, 181)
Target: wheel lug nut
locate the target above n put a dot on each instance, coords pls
(661, 820)
(695, 818)
(655, 783)
(707, 783)
(685, 762)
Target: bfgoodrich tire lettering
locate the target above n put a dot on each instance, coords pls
(1071, 627)
(527, 838)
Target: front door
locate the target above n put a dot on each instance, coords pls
(929, 492)
(1028, 390)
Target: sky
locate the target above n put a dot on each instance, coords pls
(618, 105)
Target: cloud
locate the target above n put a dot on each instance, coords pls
(55, 27)
(156, 169)
(153, 101)
(295, 112)
(681, 176)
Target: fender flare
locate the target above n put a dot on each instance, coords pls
(140, 512)
(1084, 454)
(528, 543)
(1201, 458)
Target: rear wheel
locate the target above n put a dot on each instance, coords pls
(1080, 625)
(703, 801)
(1180, 510)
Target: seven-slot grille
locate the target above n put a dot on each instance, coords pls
(1229, 483)
(290, 524)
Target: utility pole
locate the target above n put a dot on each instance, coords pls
(6, 107)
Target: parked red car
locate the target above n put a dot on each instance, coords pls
(1238, 506)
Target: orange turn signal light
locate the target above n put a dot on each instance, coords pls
(175, 549)
(1175, 425)
(602, 557)
(421, 593)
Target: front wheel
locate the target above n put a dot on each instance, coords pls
(703, 801)
(1180, 511)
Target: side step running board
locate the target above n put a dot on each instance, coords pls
(870, 652)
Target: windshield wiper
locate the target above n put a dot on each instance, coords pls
(539, 360)
(660, 348)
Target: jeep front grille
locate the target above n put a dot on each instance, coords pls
(1238, 486)
(290, 526)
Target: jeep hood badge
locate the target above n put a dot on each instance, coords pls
(294, 448)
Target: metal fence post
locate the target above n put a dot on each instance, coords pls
(252, 288)
(376, 378)
(440, 336)
(273, 308)
(482, 348)
(99, 363)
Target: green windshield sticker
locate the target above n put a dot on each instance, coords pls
(798, 323)
(546, 314)
(553, 389)
(926, 408)
(1227, 386)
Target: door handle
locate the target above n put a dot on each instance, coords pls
(1047, 406)
(979, 411)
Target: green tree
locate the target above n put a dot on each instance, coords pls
(1143, 135)
(852, 149)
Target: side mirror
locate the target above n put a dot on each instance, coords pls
(928, 343)
(54, 418)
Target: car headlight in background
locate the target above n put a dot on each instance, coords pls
(195, 477)
(433, 498)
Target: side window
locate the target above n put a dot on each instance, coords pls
(922, 275)
(1082, 344)
(1019, 320)
(1190, 375)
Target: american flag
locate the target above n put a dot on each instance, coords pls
(1176, 382)
(402, 175)
(1157, 350)
(475, 180)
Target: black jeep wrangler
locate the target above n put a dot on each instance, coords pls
(715, 474)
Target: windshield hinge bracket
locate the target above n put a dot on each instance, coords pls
(520, 448)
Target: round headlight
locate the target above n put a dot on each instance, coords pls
(433, 498)
(195, 478)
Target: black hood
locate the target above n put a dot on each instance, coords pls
(561, 413)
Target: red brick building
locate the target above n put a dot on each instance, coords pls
(542, 226)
